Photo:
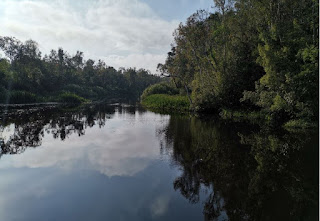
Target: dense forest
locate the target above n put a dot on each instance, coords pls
(252, 55)
(26, 76)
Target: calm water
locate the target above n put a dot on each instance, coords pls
(120, 162)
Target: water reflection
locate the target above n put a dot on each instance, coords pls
(114, 151)
(229, 171)
(249, 173)
(31, 124)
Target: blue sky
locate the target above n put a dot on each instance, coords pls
(123, 33)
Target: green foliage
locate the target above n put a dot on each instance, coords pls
(3, 95)
(288, 52)
(160, 88)
(27, 70)
(300, 123)
(74, 88)
(68, 97)
(260, 55)
(252, 54)
(166, 102)
(240, 115)
(278, 104)
(22, 97)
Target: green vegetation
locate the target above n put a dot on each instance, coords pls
(250, 55)
(164, 102)
(71, 98)
(239, 115)
(161, 88)
(299, 123)
(20, 97)
(26, 76)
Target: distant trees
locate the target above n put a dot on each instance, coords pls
(257, 54)
(58, 72)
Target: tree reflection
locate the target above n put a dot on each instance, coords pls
(31, 124)
(249, 174)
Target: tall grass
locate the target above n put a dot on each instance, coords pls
(166, 102)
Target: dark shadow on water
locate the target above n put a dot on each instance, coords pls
(249, 173)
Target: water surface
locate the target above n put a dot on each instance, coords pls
(121, 162)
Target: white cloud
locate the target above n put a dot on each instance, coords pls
(124, 32)
(132, 59)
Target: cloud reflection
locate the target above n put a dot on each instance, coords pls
(117, 149)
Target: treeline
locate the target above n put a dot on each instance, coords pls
(27, 76)
(257, 55)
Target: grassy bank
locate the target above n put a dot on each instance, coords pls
(175, 103)
(180, 104)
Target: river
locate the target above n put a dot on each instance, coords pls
(121, 162)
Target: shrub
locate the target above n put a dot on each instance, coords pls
(68, 97)
(161, 88)
(22, 97)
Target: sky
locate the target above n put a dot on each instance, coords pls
(123, 33)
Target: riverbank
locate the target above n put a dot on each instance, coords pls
(180, 104)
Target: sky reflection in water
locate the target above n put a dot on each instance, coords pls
(114, 172)
(121, 162)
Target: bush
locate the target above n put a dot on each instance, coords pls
(22, 97)
(167, 102)
(71, 98)
(161, 88)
